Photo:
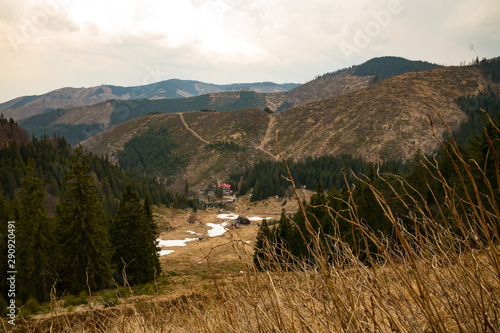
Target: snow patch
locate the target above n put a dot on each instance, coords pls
(169, 243)
(165, 252)
(227, 216)
(234, 217)
(256, 218)
(217, 229)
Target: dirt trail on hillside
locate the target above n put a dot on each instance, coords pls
(265, 151)
(199, 137)
(270, 127)
(192, 131)
(267, 136)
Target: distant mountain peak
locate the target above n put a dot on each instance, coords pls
(390, 66)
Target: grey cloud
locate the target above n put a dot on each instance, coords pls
(288, 40)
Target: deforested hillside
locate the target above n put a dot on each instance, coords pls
(385, 121)
(78, 114)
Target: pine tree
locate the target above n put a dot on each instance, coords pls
(316, 208)
(84, 236)
(264, 236)
(284, 234)
(152, 262)
(35, 239)
(134, 234)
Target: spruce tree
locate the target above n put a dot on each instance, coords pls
(264, 237)
(152, 249)
(86, 249)
(318, 213)
(134, 234)
(35, 239)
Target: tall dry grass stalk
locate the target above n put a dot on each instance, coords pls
(427, 279)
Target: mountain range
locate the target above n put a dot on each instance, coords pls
(386, 121)
(65, 98)
(379, 111)
(81, 122)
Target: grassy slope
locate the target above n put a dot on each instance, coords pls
(327, 86)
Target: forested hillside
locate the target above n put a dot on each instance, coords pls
(266, 178)
(385, 67)
(72, 252)
(51, 156)
(153, 153)
(52, 122)
(76, 217)
(10, 131)
(67, 98)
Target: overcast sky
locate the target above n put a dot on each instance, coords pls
(49, 44)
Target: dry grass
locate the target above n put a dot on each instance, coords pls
(381, 122)
(427, 280)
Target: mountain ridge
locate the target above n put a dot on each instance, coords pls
(79, 123)
(69, 97)
(280, 96)
(384, 121)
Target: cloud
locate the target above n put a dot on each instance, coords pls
(54, 43)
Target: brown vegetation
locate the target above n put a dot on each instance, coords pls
(385, 121)
(328, 86)
(428, 279)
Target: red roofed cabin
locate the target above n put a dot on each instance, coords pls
(226, 189)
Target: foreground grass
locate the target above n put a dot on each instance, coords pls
(439, 292)
(427, 279)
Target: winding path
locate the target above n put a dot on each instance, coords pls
(260, 147)
(264, 151)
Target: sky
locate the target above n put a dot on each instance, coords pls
(50, 44)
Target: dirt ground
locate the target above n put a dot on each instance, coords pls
(220, 253)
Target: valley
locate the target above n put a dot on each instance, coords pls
(382, 215)
(218, 237)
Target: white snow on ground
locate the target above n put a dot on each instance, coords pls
(227, 216)
(169, 243)
(165, 252)
(256, 218)
(234, 217)
(193, 233)
(217, 229)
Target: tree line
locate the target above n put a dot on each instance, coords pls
(52, 156)
(153, 152)
(265, 178)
